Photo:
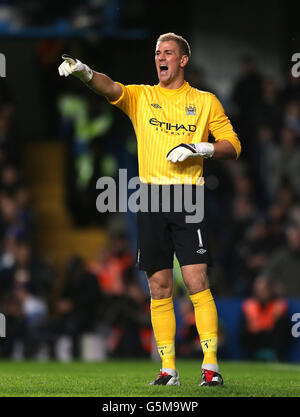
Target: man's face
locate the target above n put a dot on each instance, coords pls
(169, 61)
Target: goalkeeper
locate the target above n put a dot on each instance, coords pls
(172, 122)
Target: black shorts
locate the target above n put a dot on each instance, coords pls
(161, 234)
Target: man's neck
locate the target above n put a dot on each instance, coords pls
(174, 85)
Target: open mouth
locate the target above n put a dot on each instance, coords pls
(163, 69)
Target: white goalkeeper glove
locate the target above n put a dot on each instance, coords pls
(75, 67)
(185, 150)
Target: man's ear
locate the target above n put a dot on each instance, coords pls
(184, 60)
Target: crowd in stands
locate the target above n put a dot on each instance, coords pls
(25, 281)
(253, 215)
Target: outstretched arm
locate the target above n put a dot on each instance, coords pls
(96, 81)
(105, 86)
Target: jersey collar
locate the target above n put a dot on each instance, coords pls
(175, 91)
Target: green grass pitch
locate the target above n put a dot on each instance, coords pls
(129, 378)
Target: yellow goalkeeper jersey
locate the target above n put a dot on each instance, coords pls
(163, 118)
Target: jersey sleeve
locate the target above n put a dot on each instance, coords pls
(220, 127)
(128, 100)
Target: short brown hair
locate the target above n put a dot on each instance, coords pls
(184, 47)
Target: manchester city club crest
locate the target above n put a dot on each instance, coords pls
(190, 110)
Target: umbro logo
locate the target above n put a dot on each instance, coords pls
(201, 251)
(156, 106)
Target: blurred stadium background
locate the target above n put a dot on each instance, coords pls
(68, 285)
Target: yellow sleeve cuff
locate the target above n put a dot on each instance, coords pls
(121, 96)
